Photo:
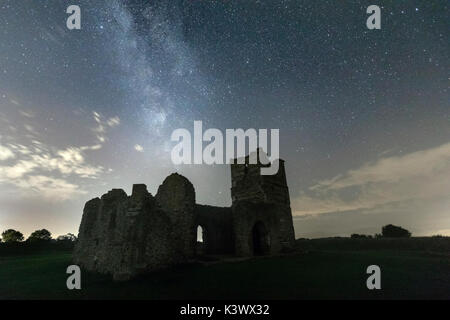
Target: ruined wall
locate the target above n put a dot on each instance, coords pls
(176, 197)
(246, 183)
(127, 235)
(124, 235)
(249, 184)
(217, 228)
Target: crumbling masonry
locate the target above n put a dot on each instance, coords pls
(127, 235)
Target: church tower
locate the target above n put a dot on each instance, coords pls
(262, 216)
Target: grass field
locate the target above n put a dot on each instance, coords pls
(312, 274)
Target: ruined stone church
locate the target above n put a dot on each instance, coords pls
(126, 235)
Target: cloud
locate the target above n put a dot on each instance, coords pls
(51, 188)
(112, 122)
(20, 148)
(5, 153)
(67, 161)
(14, 102)
(422, 175)
(138, 148)
(26, 113)
(48, 174)
(103, 124)
(22, 167)
(49, 171)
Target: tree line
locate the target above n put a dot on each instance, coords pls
(388, 231)
(38, 236)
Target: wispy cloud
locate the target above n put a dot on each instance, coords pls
(103, 125)
(5, 153)
(421, 175)
(26, 113)
(49, 187)
(49, 171)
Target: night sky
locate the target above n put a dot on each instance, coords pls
(364, 115)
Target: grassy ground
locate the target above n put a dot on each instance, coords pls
(315, 274)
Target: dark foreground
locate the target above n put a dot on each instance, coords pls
(315, 273)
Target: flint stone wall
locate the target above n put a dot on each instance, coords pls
(217, 228)
(127, 235)
(260, 199)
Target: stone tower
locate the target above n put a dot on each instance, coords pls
(262, 217)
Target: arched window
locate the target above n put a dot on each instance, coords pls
(202, 241)
(200, 234)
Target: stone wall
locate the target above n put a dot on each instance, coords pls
(127, 235)
(248, 184)
(246, 215)
(176, 197)
(124, 235)
(216, 223)
(261, 200)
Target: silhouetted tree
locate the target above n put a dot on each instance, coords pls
(391, 231)
(12, 235)
(70, 237)
(360, 236)
(40, 235)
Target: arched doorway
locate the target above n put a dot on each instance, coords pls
(260, 239)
